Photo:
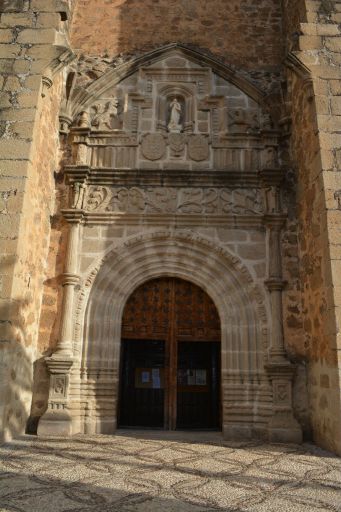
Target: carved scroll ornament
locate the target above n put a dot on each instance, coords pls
(168, 200)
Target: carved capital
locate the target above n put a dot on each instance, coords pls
(70, 279)
(271, 177)
(275, 221)
(281, 370)
(275, 284)
(47, 84)
(73, 216)
(58, 364)
(64, 124)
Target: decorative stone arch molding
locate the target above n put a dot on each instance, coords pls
(186, 255)
(91, 401)
(241, 306)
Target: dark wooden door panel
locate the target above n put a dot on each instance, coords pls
(198, 385)
(185, 318)
(142, 384)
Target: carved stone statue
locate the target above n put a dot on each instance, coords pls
(176, 110)
(104, 114)
(337, 196)
(78, 195)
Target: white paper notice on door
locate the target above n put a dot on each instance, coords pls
(156, 378)
(200, 378)
(145, 377)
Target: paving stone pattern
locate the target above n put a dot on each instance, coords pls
(154, 471)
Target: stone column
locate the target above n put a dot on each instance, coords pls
(275, 285)
(283, 427)
(57, 420)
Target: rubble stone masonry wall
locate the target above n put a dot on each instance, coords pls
(314, 99)
(32, 38)
(245, 33)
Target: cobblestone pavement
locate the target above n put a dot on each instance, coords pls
(168, 472)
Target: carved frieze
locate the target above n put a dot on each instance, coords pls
(171, 200)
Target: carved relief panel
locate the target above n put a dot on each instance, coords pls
(174, 114)
(171, 200)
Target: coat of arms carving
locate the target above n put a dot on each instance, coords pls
(153, 146)
(198, 148)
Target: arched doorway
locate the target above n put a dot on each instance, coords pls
(170, 357)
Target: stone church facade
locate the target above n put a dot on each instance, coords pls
(171, 177)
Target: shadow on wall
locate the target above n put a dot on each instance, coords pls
(49, 324)
(15, 369)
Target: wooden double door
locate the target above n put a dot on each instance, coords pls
(170, 361)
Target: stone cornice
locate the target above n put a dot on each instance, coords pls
(108, 176)
(184, 220)
(272, 177)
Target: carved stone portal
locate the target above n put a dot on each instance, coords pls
(174, 144)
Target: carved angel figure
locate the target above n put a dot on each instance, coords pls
(102, 119)
(176, 110)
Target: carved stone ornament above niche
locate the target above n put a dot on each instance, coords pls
(181, 113)
(170, 200)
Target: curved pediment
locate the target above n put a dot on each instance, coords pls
(173, 108)
(83, 96)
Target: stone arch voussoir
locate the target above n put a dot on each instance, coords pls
(184, 254)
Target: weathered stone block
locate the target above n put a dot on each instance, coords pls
(37, 36)
(12, 83)
(14, 149)
(6, 35)
(9, 50)
(310, 42)
(336, 105)
(11, 5)
(252, 251)
(21, 66)
(25, 114)
(18, 19)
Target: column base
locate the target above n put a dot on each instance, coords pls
(284, 430)
(243, 432)
(283, 427)
(55, 422)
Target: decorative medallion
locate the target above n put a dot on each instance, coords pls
(177, 143)
(153, 146)
(198, 148)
